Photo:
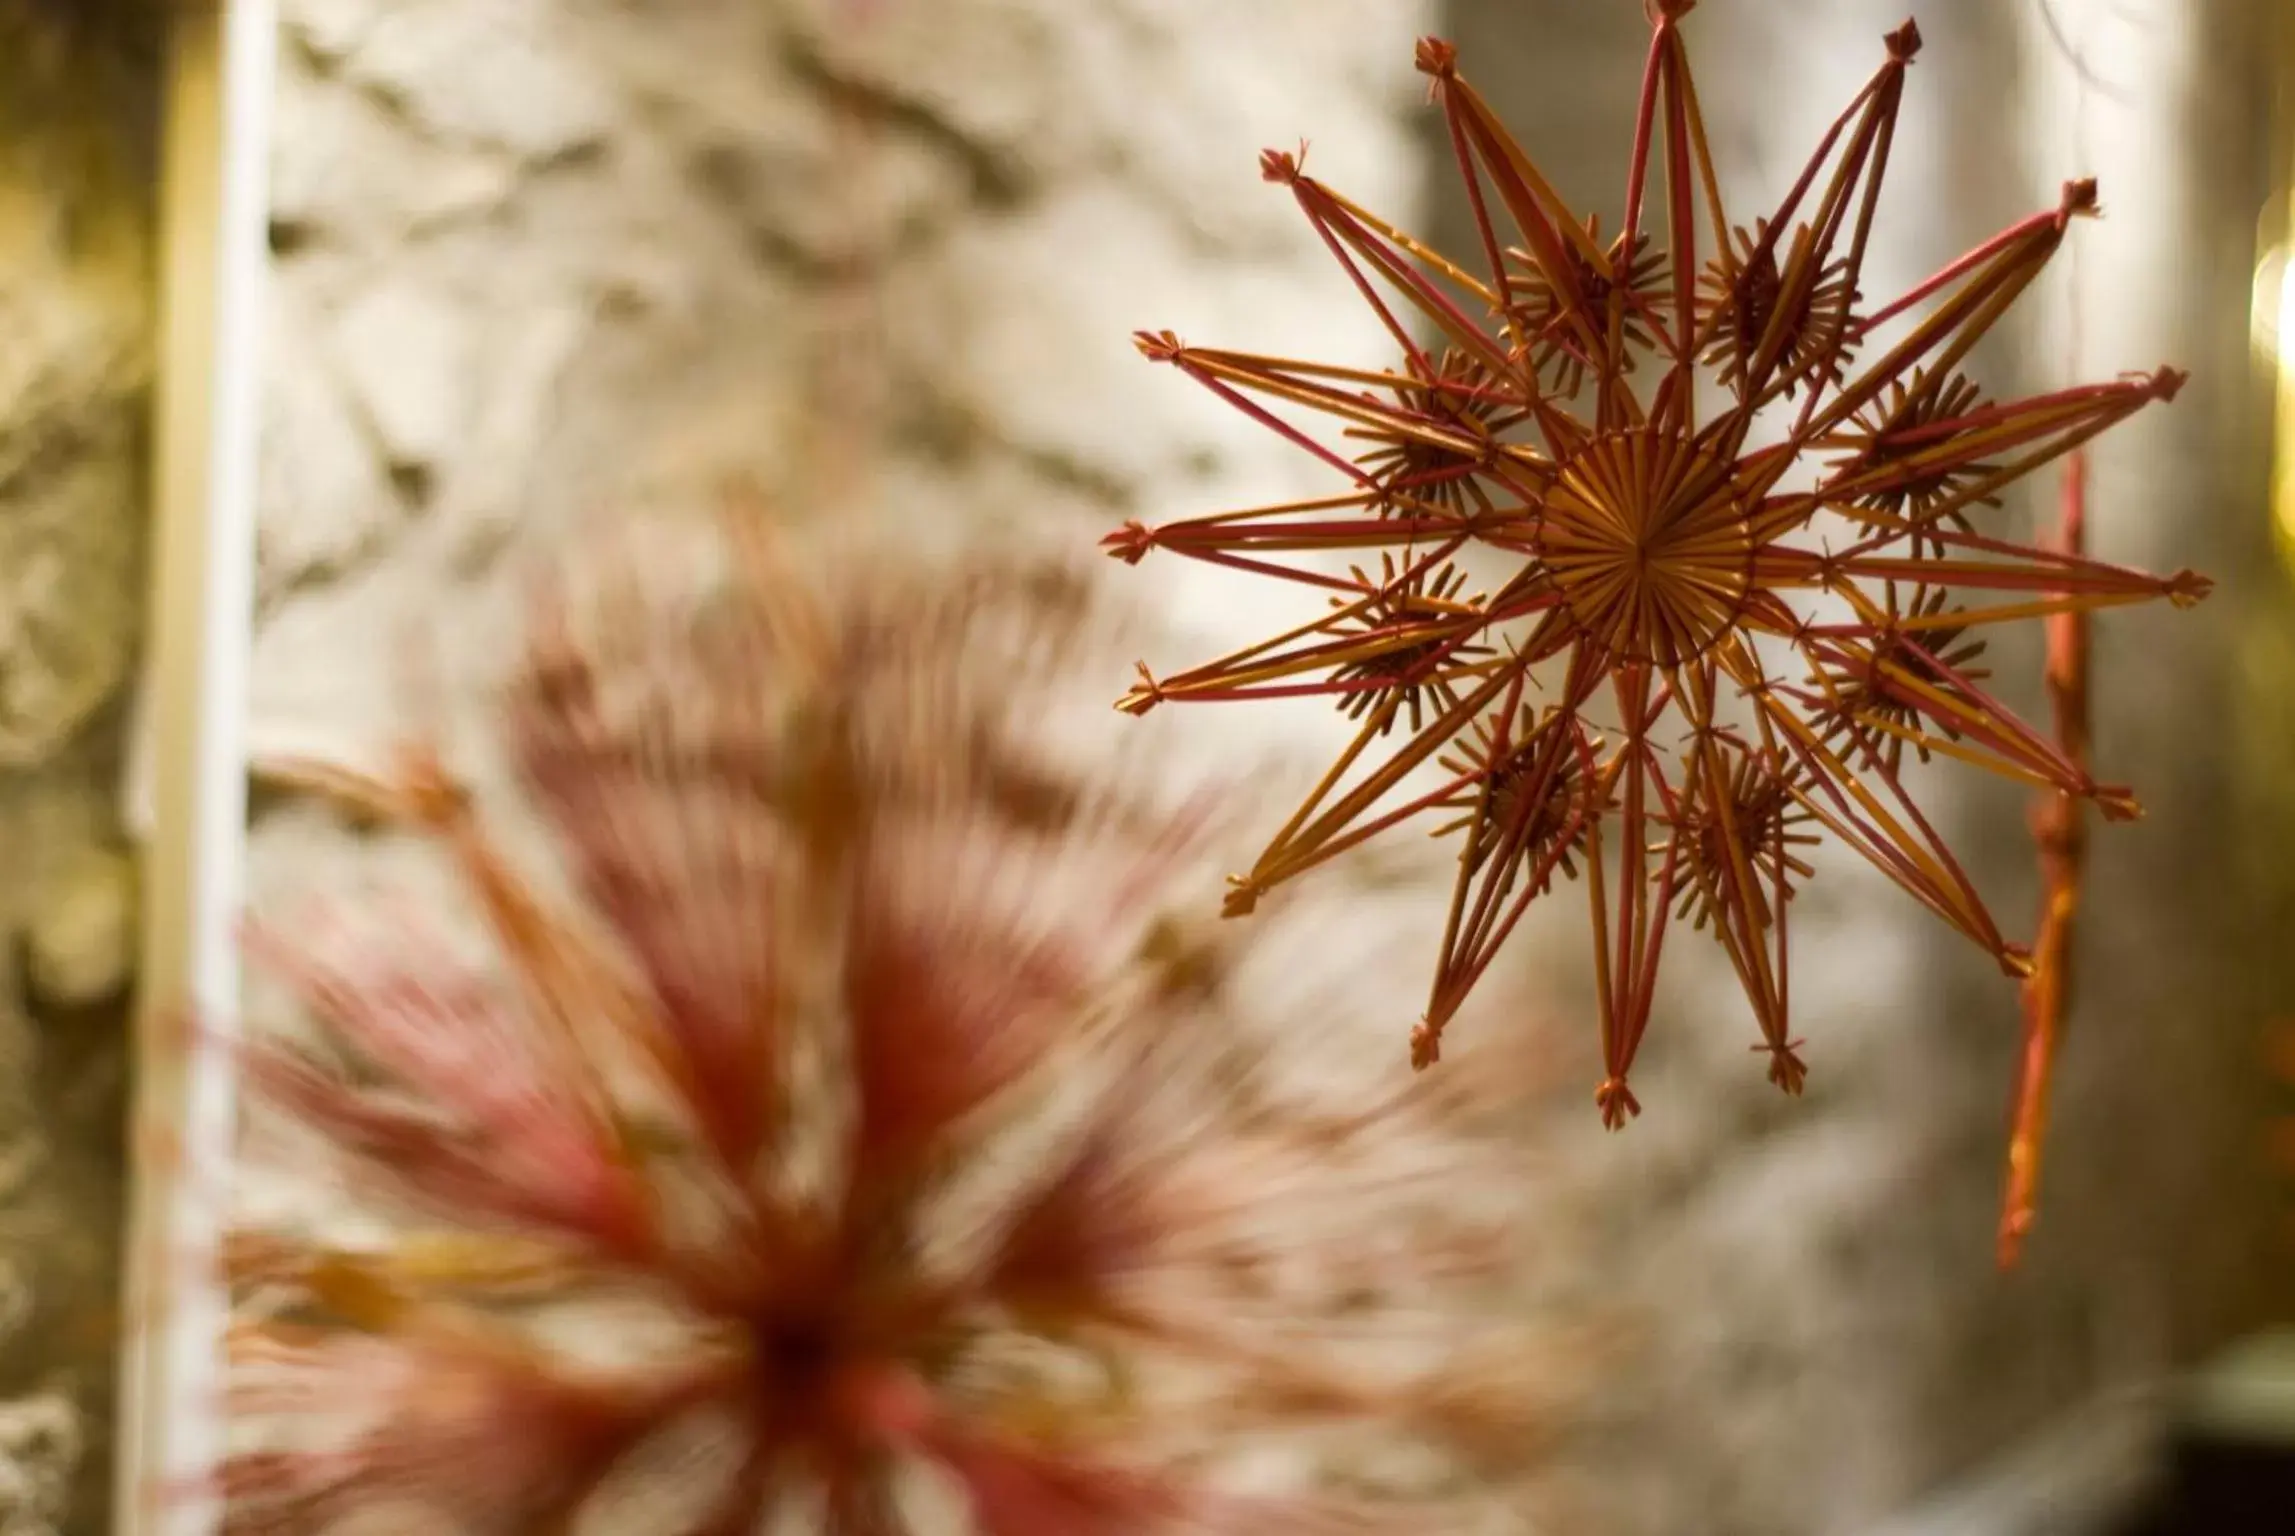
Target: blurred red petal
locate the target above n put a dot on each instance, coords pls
(456, 1421)
(1023, 1491)
(964, 958)
(1077, 1235)
(1016, 1491)
(488, 1124)
(663, 799)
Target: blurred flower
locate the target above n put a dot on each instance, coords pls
(871, 1133)
(1648, 438)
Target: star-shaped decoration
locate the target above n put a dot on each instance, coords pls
(1741, 511)
(849, 1110)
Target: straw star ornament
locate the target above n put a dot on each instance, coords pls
(849, 1134)
(1740, 508)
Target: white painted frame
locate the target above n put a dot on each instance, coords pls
(186, 795)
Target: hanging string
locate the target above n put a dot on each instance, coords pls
(2059, 825)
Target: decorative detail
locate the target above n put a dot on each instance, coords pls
(877, 1088)
(1738, 506)
(2061, 830)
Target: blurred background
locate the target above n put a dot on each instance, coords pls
(535, 261)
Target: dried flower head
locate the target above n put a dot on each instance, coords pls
(871, 1142)
(1737, 506)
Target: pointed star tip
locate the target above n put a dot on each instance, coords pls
(1130, 543)
(1157, 346)
(1145, 695)
(1425, 1047)
(1786, 1068)
(1616, 1102)
(1437, 57)
(2009, 1251)
(1905, 42)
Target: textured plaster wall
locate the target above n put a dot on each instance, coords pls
(75, 321)
(539, 259)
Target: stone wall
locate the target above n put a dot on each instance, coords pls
(544, 259)
(540, 258)
(76, 87)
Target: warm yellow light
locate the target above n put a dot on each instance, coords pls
(2272, 324)
(2269, 303)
